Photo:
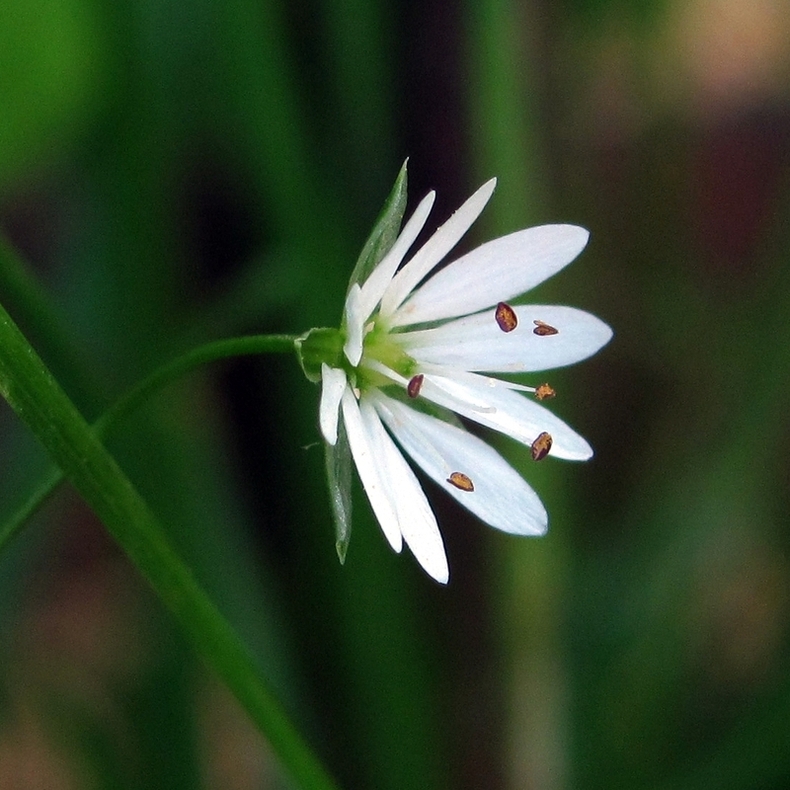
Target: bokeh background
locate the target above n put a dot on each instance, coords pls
(176, 172)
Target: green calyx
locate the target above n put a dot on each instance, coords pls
(316, 346)
(324, 345)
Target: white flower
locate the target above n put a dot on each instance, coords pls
(412, 346)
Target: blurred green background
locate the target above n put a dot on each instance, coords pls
(175, 172)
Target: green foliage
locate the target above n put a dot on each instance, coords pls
(53, 63)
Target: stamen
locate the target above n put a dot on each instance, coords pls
(544, 391)
(542, 329)
(460, 480)
(415, 385)
(541, 446)
(506, 317)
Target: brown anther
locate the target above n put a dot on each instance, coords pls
(460, 480)
(544, 391)
(542, 329)
(506, 317)
(541, 446)
(415, 385)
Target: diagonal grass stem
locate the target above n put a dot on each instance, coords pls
(43, 406)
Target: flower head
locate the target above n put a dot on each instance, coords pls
(417, 350)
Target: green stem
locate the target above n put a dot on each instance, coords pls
(38, 400)
(220, 349)
(37, 314)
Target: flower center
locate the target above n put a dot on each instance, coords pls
(380, 347)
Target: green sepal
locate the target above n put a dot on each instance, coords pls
(384, 232)
(338, 475)
(326, 346)
(316, 346)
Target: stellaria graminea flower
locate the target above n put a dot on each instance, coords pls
(414, 352)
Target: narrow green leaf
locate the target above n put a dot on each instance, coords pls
(39, 401)
(384, 232)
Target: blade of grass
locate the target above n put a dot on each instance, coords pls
(38, 400)
(35, 311)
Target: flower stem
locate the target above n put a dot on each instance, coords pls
(135, 397)
(39, 401)
(219, 349)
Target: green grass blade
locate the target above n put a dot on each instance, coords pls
(39, 401)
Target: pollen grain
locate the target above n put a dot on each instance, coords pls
(544, 391)
(460, 480)
(415, 385)
(541, 446)
(542, 329)
(506, 317)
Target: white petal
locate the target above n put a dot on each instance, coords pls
(434, 250)
(373, 477)
(355, 325)
(443, 396)
(477, 343)
(501, 497)
(415, 517)
(333, 382)
(496, 271)
(515, 415)
(380, 277)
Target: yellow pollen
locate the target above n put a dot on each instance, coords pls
(544, 391)
(460, 480)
